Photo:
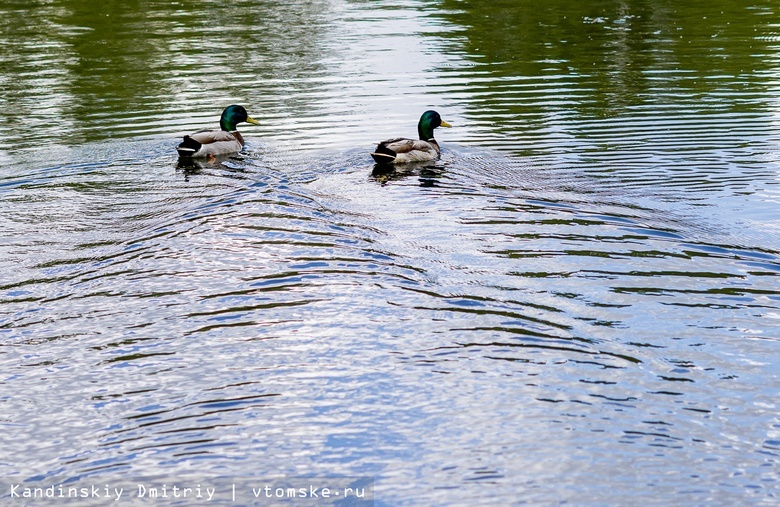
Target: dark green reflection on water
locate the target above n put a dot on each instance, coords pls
(646, 80)
(72, 69)
(75, 72)
(621, 53)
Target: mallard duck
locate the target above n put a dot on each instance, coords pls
(402, 150)
(210, 143)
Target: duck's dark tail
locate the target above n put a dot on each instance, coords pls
(383, 155)
(188, 147)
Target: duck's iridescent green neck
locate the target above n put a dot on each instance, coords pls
(428, 121)
(232, 116)
(226, 124)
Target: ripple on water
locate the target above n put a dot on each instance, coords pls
(231, 303)
(583, 286)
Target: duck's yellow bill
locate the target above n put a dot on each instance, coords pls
(253, 122)
(445, 124)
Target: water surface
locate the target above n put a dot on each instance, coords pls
(578, 303)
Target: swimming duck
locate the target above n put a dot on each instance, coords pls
(402, 150)
(210, 143)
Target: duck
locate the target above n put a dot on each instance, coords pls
(211, 143)
(402, 150)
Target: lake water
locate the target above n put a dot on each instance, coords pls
(579, 303)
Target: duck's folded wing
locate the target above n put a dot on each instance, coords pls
(212, 136)
(403, 145)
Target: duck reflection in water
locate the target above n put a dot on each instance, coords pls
(428, 172)
(224, 164)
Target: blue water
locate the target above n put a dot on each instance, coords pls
(582, 311)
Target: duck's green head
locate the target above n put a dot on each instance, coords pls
(232, 116)
(429, 121)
